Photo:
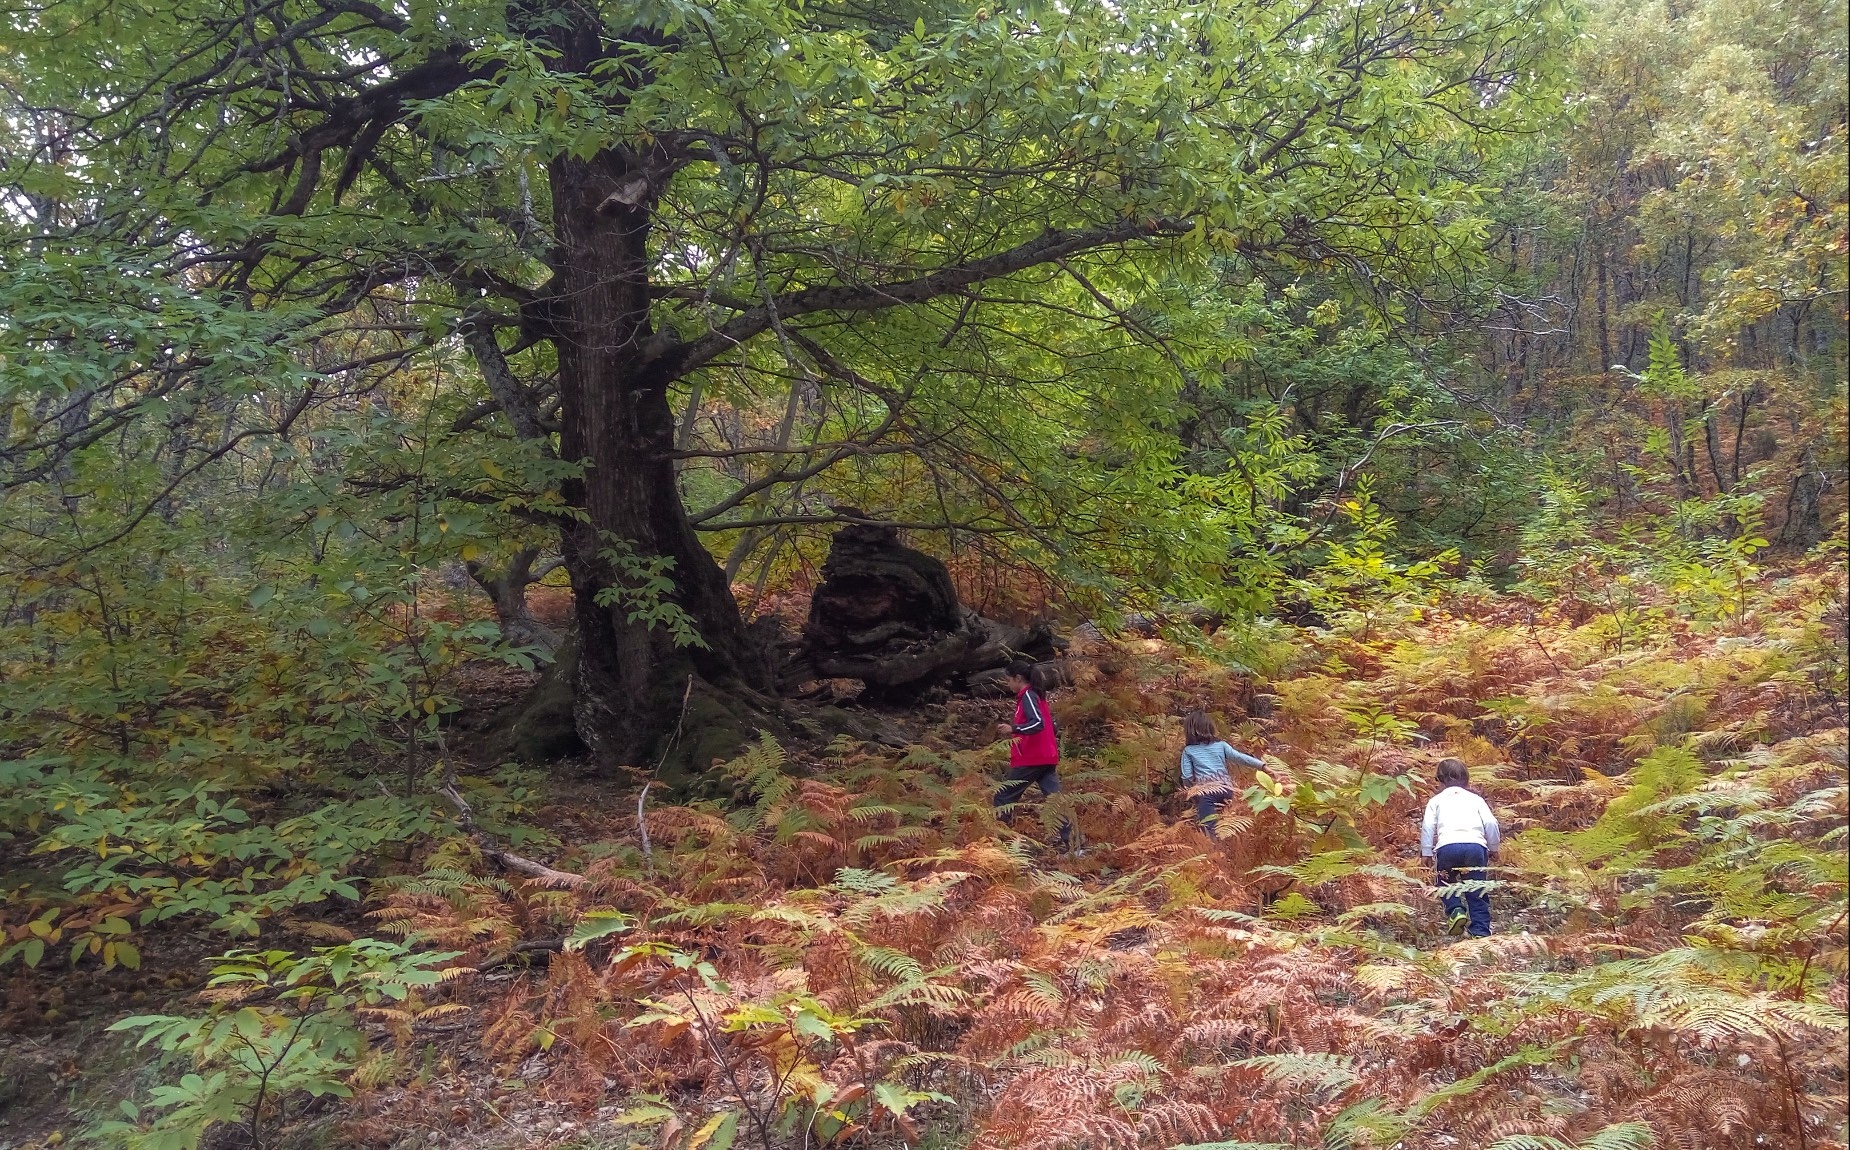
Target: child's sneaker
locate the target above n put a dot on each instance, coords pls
(1455, 926)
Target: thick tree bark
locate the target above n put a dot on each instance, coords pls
(615, 417)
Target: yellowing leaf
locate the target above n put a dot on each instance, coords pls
(717, 1134)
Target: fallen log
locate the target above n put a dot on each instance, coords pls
(507, 860)
(888, 615)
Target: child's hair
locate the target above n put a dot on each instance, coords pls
(1198, 727)
(1039, 677)
(1454, 773)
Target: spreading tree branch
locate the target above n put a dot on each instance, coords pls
(673, 359)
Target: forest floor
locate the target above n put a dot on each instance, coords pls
(853, 952)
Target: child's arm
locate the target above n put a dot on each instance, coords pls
(1428, 828)
(1034, 715)
(1242, 759)
(1493, 833)
(1188, 776)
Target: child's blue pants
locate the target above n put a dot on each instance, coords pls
(1207, 810)
(1465, 862)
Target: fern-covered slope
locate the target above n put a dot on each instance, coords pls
(860, 951)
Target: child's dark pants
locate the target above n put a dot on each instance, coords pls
(1207, 810)
(1016, 782)
(1465, 862)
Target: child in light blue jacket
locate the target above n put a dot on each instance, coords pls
(1206, 760)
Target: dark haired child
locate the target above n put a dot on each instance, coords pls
(1460, 835)
(1205, 762)
(1034, 747)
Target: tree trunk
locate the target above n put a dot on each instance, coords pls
(615, 418)
(507, 590)
(1602, 304)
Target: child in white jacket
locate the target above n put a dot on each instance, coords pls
(1460, 835)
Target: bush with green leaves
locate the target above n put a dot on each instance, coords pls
(770, 1049)
(233, 714)
(280, 1027)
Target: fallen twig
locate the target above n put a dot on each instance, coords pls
(507, 860)
(642, 824)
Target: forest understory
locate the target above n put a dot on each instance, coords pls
(854, 953)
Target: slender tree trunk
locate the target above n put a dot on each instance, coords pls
(1744, 402)
(507, 590)
(1601, 303)
(1710, 442)
(1673, 423)
(615, 417)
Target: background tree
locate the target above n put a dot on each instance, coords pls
(1698, 197)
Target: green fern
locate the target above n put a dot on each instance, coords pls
(852, 880)
(1316, 1071)
(894, 964)
(930, 995)
(1043, 989)
(1623, 1136)
(441, 882)
(760, 771)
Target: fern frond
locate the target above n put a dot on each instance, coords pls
(896, 964)
(1043, 989)
(932, 995)
(899, 836)
(1319, 1071)
(852, 880)
(704, 914)
(869, 811)
(1622, 1136)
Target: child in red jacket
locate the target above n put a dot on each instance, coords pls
(1034, 749)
